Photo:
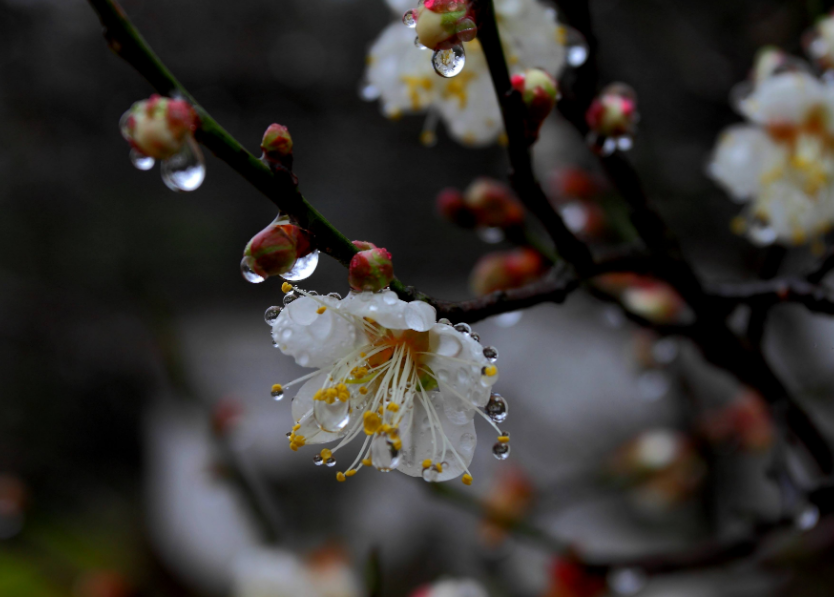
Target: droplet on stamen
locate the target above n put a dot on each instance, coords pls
(497, 408)
(449, 63)
(277, 394)
(491, 354)
(290, 297)
(501, 451)
(331, 462)
(318, 460)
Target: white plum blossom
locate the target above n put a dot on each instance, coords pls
(388, 372)
(782, 162)
(452, 588)
(401, 75)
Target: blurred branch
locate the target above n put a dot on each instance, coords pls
(773, 258)
(826, 264)
(767, 293)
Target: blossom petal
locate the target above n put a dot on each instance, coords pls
(457, 361)
(389, 311)
(783, 99)
(740, 160)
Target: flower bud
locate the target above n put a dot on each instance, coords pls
(656, 301)
(585, 219)
(746, 421)
(507, 502)
(159, 127)
(819, 43)
(371, 268)
(443, 23)
(539, 92)
(511, 269)
(572, 182)
(277, 141)
(570, 578)
(494, 204)
(613, 113)
(452, 207)
(273, 251)
(225, 416)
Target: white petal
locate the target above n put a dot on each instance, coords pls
(416, 435)
(389, 311)
(739, 160)
(783, 99)
(463, 380)
(269, 572)
(313, 339)
(457, 588)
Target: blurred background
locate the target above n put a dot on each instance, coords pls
(128, 337)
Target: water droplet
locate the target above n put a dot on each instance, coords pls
(290, 297)
(497, 408)
(463, 328)
(277, 395)
(627, 581)
(509, 319)
(449, 63)
(761, 234)
(576, 47)
(331, 417)
(419, 45)
(490, 235)
(624, 143)
(185, 170)
(318, 460)
(431, 474)
(653, 385)
(334, 295)
(331, 462)
(807, 518)
(288, 434)
(141, 161)
(501, 451)
(286, 334)
(383, 455)
(390, 298)
(491, 354)
(475, 337)
(444, 321)
(410, 19)
(248, 273)
(303, 268)
(448, 345)
(271, 314)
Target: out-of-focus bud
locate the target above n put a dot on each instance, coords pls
(274, 251)
(441, 24)
(507, 502)
(573, 183)
(452, 207)
(159, 127)
(225, 416)
(371, 268)
(14, 497)
(505, 270)
(102, 583)
(647, 297)
(819, 43)
(331, 574)
(451, 587)
(661, 466)
(570, 578)
(745, 420)
(277, 141)
(494, 204)
(612, 118)
(539, 91)
(585, 219)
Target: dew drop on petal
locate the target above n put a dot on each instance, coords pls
(185, 170)
(463, 328)
(497, 408)
(444, 321)
(141, 161)
(501, 451)
(271, 314)
(431, 474)
(448, 346)
(576, 47)
(318, 460)
(383, 455)
(331, 417)
(491, 235)
(334, 295)
(248, 273)
(419, 45)
(449, 63)
(303, 268)
(491, 354)
(410, 19)
(807, 518)
(290, 297)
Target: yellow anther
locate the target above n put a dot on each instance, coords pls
(340, 477)
(393, 407)
(439, 467)
(466, 479)
(490, 370)
(300, 440)
(398, 444)
(370, 320)
(321, 309)
(427, 463)
(363, 390)
(286, 287)
(296, 427)
(294, 447)
(366, 462)
(325, 454)
(362, 354)
(277, 387)
(372, 423)
(350, 473)
(386, 428)
(504, 439)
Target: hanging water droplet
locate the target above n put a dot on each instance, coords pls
(444, 321)
(290, 297)
(491, 354)
(141, 161)
(431, 474)
(761, 234)
(463, 328)
(271, 314)
(331, 417)
(248, 273)
(449, 63)
(288, 434)
(807, 518)
(331, 462)
(185, 170)
(475, 337)
(277, 394)
(497, 408)
(627, 581)
(303, 268)
(501, 451)
(653, 385)
(490, 235)
(334, 295)
(384, 456)
(318, 460)
(576, 47)
(418, 44)
(410, 19)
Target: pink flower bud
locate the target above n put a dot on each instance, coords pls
(572, 182)
(273, 251)
(613, 113)
(277, 140)
(494, 204)
(159, 127)
(570, 578)
(539, 92)
(452, 207)
(646, 297)
(371, 268)
(442, 24)
(505, 270)
(745, 420)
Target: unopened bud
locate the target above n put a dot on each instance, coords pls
(572, 182)
(444, 23)
(570, 578)
(656, 301)
(613, 113)
(452, 207)
(277, 140)
(371, 268)
(159, 126)
(506, 270)
(494, 204)
(273, 251)
(539, 92)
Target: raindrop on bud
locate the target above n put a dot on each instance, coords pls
(185, 170)
(271, 315)
(501, 451)
(410, 19)
(304, 267)
(248, 272)
(335, 295)
(141, 161)
(491, 354)
(444, 321)
(497, 408)
(449, 63)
